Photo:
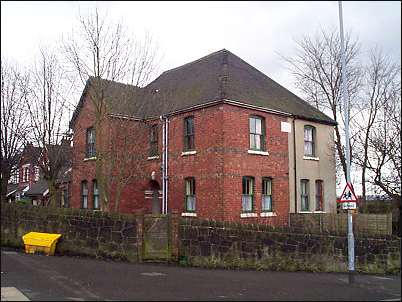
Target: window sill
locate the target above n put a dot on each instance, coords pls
(189, 214)
(311, 158)
(265, 153)
(153, 157)
(188, 153)
(319, 212)
(247, 215)
(305, 212)
(268, 214)
(90, 158)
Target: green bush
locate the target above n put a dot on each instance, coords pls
(24, 201)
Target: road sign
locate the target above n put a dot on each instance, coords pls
(348, 195)
(349, 205)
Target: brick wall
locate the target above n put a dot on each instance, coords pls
(238, 163)
(220, 162)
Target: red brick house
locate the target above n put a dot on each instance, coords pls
(28, 182)
(222, 141)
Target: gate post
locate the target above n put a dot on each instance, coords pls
(140, 235)
(174, 236)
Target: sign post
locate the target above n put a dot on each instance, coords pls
(351, 240)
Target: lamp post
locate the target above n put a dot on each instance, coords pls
(345, 98)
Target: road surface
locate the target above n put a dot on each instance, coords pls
(39, 277)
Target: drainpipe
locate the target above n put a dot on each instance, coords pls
(294, 162)
(163, 164)
(166, 164)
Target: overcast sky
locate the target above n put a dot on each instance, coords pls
(256, 31)
(185, 31)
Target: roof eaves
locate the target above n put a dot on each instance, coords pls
(320, 121)
(126, 117)
(249, 106)
(79, 105)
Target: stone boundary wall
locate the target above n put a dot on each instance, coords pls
(198, 242)
(84, 232)
(234, 245)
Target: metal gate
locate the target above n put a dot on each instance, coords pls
(156, 244)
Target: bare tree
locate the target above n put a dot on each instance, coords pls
(384, 144)
(13, 121)
(317, 71)
(377, 90)
(102, 53)
(46, 105)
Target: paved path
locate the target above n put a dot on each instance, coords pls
(76, 279)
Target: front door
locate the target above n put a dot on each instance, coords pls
(156, 204)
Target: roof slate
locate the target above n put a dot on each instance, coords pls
(218, 76)
(37, 188)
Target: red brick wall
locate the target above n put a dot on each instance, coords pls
(82, 170)
(238, 163)
(31, 177)
(221, 143)
(206, 166)
(123, 135)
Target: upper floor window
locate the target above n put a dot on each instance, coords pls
(25, 173)
(37, 173)
(190, 194)
(305, 194)
(257, 133)
(153, 139)
(84, 194)
(189, 133)
(91, 140)
(319, 200)
(309, 140)
(248, 194)
(14, 178)
(95, 194)
(267, 194)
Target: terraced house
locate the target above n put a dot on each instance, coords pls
(219, 140)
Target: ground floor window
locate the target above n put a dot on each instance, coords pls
(95, 194)
(84, 194)
(64, 198)
(267, 194)
(190, 194)
(248, 194)
(304, 186)
(319, 200)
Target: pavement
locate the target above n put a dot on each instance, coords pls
(63, 278)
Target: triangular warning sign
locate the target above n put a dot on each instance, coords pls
(348, 195)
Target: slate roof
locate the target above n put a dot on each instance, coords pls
(11, 189)
(218, 76)
(37, 188)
